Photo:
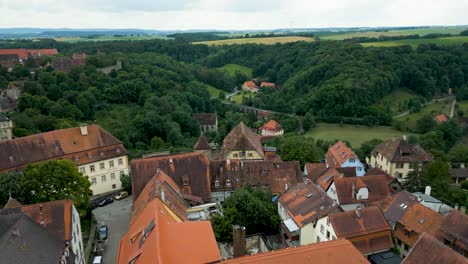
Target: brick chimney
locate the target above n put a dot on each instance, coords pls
(238, 242)
(358, 211)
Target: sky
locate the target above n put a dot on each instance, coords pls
(230, 14)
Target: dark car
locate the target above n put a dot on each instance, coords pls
(103, 231)
(105, 202)
(93, 205)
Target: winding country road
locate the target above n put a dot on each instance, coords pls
(429, 103)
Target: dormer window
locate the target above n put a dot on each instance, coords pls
(228, 182)
(216, 183)
(90, 155)
(101, 153)
(77, 158)
(352, 160)
(117, 150)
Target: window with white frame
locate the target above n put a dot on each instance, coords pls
(103, 178)
(91, 168)
(112, 176)
(120, 161)
(322, 229)
(93, 180)
(83, 170)
(101, 166)
(121, 173)
(111, 164)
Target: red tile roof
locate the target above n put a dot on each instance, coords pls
(157, 236)
(327, 178)
(22, 53)
(241, 138)
(267, 84)
(331, 252)
(161, 186)
(315, 170)
(417, 220)
(205, 119)
(395, 207)
(272, 125)
(370, 232)
(339, 154)
(12, 203)
(42, 52)
(441, 118)
(67, 143)
(189, 171)
(454, 228)
(306, 203)
(428, 249)
(377, 186)
(250, 84)
(202, 143)
(399, 150)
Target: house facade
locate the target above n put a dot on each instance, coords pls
(208, 121)
(271, 128)
(340, 156)
(397, 157)
(6, 128)
(97, 154)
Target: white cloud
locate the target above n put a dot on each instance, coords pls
(229, 14)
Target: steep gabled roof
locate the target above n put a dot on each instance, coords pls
(371, 225)
(22, 240)
(3, 117)
(315, 170)
(156, 236)
(272, 125)
(339, 154)
(250, 84)
(399, 150)
(202, 143)
(12, 203)
(331, 252)
(306, 203)
(67, 143)
(22, 53)
(189, 171)
(441, 118)
(395, 207)
(241, 138)
(428, 249)
(205, 119)
(267, 84)
(459, 172)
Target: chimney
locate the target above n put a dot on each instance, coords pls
(353, 190)
(462, 165)
(239, 243)
(42, 223)
(358, 211)
(84, 130)
(428, 190)
(404, 137)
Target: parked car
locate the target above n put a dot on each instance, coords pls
(105, 202)
(93, 205)
(121, 195)
(103, 232)
(97, 260)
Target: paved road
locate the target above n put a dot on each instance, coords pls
(426, 104)
(117, 217)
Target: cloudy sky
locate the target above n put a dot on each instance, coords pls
(229, 14)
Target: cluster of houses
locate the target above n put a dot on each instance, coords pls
(336, 211)
(254, 85)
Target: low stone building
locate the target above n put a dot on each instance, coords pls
(208, 121)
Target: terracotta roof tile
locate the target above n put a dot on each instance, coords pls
(454, 228)
(417, 220)
(395, 207)
(399, 150)
(189, 171)
(338, 154)
(22, 53)
(267, 84)
(241, 138)
(306, 203)
(275, 176)
(428, 249)
(67, 143)
(315, 170)
(157, 236)
(327, 178)
(331, 252)
(42, 52)
(205, 119)
(441, 118)
(272, 125)
(377, 186)
(370, 232)
(12, 203)
(202, 143)
(250, 84)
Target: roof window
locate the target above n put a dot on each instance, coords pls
(117, 150)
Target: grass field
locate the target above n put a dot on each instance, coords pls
(462, 105)
(267, 41)
(409, 121)
(395, 100)
(457, 40)
(108, 38)
(214, 92)
(355, 134)
(233, 68)
(393, 33)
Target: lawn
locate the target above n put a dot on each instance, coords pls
(457, 40)
(409, 121)
(238, 97)
(397, 100)
(355, 134)
(462, 105)
(214, 92)
(108, 38)
(393, 33)
(233, 68)
(267, 41)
